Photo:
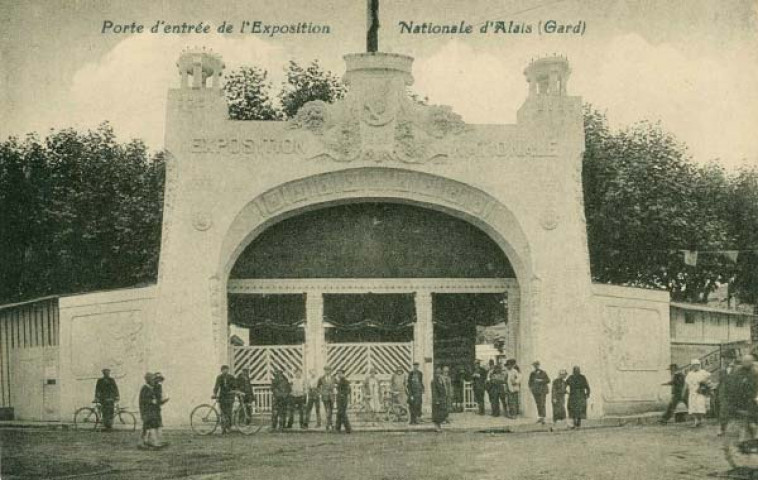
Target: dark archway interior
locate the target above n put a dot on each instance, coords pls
(463, 320)
(373, 240)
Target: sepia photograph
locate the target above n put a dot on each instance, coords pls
(378, 239)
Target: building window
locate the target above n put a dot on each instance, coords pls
(689, 317)
(740, 322)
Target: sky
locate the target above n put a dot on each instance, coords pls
(690, 64)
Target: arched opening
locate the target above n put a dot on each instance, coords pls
(371, 285)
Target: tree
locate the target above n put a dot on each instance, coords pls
(248, 95)
(84, 213)
(307, 84)
(742, 213)
(645, 201)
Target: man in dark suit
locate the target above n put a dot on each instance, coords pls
(415, 392)
(539, 385)
(479, 377)
(326, 386)
(106, 394)
(244, 386)
(440, 395)
(677, 392)
(223, 390)
(280, 394)
(343, 400)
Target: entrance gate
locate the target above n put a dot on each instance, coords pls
(358, 359)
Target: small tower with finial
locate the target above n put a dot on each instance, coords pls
(199, 98)
(200, 64)
(549, 111)
(548, 76)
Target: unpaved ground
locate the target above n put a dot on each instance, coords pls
(639, 452)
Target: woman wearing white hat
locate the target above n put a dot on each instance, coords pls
(698, 388)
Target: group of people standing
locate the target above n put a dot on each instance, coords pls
(305, 393)
(502, 383)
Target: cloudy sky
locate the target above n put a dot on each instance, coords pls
(692, 64)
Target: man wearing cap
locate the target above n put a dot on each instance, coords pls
(106, 394)
(415, 393)
(327, 385)
(223, 390)
(539, 385)
(479, 378)
(677, 391)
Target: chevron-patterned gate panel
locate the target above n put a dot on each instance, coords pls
(262, 360)
(357, 359)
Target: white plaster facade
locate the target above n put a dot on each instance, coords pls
(228, 180)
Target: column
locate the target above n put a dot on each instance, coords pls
(514, 321)
(423, 343)
(314, 331)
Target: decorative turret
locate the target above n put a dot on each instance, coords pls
(548, 76)
(548, 111)
(200, 64)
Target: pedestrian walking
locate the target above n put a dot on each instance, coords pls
(343, 400)
(439, 399)
(677, 393)
(539, 385)
(150, 414)
(327, 386)
(479, 378)
(559, 397)
(314, 399)
(579, 392)
(106, 394)
(698, 390)
(415, 393)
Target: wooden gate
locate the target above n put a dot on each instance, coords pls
(357, 359)
(263, 360)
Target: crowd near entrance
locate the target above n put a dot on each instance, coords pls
(369, 289)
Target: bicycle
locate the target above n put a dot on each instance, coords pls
(89, 418)
(206, 418)
(394, 411)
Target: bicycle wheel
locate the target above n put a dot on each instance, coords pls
(125, 421)
(398, 413)
(86, 418)
(741, 445)
(204, 419)
(248, 424)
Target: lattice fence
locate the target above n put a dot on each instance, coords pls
(262, 360)
(357, 359)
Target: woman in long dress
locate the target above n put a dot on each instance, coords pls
(697, 383)
(559, 397)
(579, 392)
